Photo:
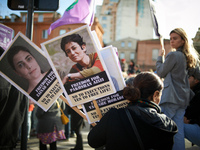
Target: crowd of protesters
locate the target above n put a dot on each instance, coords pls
(170, 96)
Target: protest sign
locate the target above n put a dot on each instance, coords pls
(115, 100)
(80, 66)
(96, 40)
(5, 36)
(25, 66)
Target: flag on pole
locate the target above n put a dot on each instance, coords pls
(157, 14)
(171, 14)
(81, 11)
(154, 19)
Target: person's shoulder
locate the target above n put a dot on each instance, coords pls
(171, 53)
(95, 54)
(174, 54)
(113, 111)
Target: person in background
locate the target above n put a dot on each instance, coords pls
(77, 123)
(124, 68)
(30, 109)
(155, 129)
(131, 69)
(137, 69)
(124, 65)
(33, 122)
(192, 117)
(12, 111)
(50, 127)
(174, 70)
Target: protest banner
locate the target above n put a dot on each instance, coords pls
(115, 100)
(5, 36)
(80, 66)
(25, 66)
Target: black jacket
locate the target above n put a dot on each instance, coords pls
(12, 110)
(115, 132)
(192, 111)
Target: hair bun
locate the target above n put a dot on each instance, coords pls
(131, 93)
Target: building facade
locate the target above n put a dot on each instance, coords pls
(125, 22)
(133, 20)
(125, 18)
(41, 24)
(106, 15)
(147, 53)
(126, 48)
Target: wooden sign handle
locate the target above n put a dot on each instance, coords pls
(97, 108)
(75, 109)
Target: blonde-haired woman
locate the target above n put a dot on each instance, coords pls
(174, 69)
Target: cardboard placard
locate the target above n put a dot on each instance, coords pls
(94, 84)
(25, 66)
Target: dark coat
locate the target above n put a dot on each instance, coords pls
(192, 112)
(115, 131)
(12, 111)
(47, 120)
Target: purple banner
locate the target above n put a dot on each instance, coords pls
(5, 36)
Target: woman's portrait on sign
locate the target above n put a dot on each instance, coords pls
(74, 55)
(76, 59)
(86, 64)
(24, 64)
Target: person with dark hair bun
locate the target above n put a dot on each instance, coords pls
(154, 128)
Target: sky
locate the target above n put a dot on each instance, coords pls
(63, 4)
(178, 13)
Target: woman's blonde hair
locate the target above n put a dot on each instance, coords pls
(191, 54)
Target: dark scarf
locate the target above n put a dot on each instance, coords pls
(146, 103)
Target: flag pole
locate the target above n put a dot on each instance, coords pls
(97, 108)
(162, 48)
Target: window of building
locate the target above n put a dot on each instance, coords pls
(122, 44)
(104, 18)
(104, 25)
(40, 18)
(155, 54)
(132, 56)
(44, 34)
(122, 55)
(24, 18)
(62, 31)
(129, 44)
(13, 18)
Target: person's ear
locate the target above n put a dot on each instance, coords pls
(156, 97)
(83, 47)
